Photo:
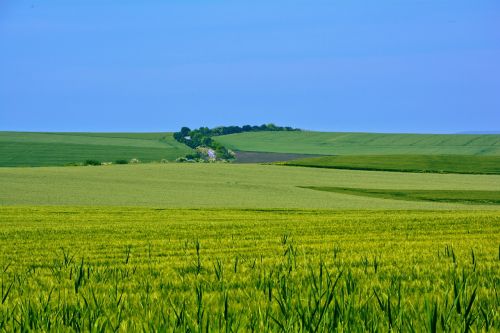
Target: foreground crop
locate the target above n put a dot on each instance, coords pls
(245, 270)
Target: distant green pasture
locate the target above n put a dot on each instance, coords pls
(334, 143)
(46, 149)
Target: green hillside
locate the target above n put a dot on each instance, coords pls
(408, 163)
(332, 143)
(45, 149)
(225, 185)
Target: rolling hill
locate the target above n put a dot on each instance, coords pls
(334, 143)
(46, 149)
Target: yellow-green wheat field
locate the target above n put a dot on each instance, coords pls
(177, 270)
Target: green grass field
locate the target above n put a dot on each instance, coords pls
(224, 185)
(45, 149)
(406, 163)
(239, 247)
(331, 143)
(132, 269)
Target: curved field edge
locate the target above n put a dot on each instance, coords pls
(336, 143)
(123, 269)
(460, 196)
(465, 164)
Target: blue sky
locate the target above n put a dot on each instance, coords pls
(382, 66)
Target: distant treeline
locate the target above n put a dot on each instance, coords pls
(203, 136)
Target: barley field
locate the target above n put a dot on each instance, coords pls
(211, 270)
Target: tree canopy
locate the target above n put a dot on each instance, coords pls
(202, 137)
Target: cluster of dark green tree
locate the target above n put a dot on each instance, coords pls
(203, 136)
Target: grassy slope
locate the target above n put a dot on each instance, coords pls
(222, 185)
(414, 163)
(326, 143)
(44, 149)
(405, 255)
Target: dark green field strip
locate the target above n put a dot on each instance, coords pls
(80, 138)
(461, 196)
(131, 135)
(42, 154)
(469, 164)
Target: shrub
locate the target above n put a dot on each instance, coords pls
(92, 162)
(121, 162)
(193, 156)
(134, 161)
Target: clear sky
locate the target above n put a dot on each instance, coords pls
(337, 65)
